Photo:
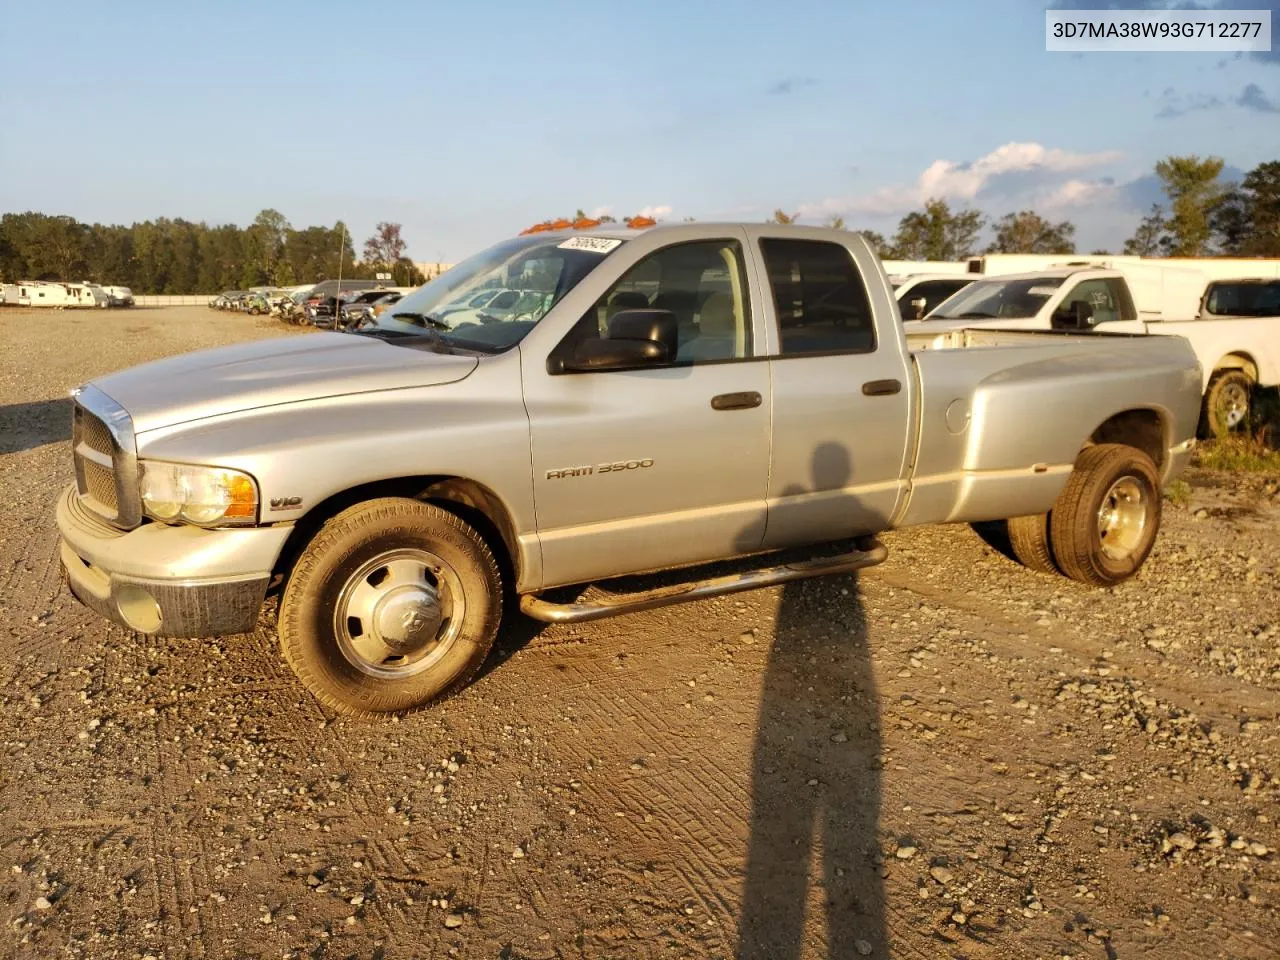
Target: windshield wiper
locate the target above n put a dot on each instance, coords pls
(426, 319)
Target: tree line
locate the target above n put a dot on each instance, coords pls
(1204, 216)
(179, 256)
(1207, 216)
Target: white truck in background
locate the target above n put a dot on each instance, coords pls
(1213, 268)
(919, 293)
(1237, 353)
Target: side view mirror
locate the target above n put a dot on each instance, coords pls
(637, 338)
(917, 307)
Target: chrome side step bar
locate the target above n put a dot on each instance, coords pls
(614, 604)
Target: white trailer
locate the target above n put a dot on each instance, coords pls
(55, 293)
(908, 268)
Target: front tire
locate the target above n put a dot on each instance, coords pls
(1106, 519)
(1227, 403)
(394, 603)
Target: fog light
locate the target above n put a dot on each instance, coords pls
(138, 608)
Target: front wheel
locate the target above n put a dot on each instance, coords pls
(1226, 403)
(1106, 519)
(393, 604)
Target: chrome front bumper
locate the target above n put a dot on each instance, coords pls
(173, 581)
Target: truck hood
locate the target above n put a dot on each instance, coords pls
(210, 383)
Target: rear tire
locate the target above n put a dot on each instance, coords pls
(394, 603)
(1227, 403)
(1030, 539)
(1106, 519)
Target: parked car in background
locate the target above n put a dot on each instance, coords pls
(256, 304)
(1237, 353)
(119, 296)
(360, 306)
(1241, 298)
(918, 294)
(381, 305)
(388, 479)
(507, 305)
(474, 301)
(291, 309)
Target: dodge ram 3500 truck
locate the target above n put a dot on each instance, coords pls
(1236, 353)
(672, 397)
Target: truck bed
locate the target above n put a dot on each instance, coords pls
(1003, 414)
(977, 337)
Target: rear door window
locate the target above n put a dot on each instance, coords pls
(819, 298)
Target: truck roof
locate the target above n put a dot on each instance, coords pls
(620, 231)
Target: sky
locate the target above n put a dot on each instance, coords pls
(468, 122)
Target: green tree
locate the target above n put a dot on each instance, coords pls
(835, 222)
(1151, 238)
(52, 247)
(385, 247)
(1028, 232)
(1194, 191)
(405, 274)
(1246, 219)
(266, 260)
(781, 216)
(878, 244)
(935, 233)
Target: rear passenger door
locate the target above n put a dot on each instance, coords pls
(840, 407)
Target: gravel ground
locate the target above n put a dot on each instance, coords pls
(946, 757)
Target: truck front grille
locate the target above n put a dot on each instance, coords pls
(100, 486)
(104, 458)
(95, 433)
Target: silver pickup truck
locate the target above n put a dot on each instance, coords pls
(669, 397)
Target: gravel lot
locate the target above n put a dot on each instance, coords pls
(946, 757)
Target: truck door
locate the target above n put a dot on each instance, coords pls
(640, 469)
(841, 421)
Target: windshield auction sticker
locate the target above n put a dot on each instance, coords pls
(591, 244)
(1184, 31)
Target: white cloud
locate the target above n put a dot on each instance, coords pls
(1079, 193)
(657, 211)
(601, 211)
(962, 181)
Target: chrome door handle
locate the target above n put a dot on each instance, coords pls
(736, 401)
(881, 388)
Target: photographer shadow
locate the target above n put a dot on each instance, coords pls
(815, 787)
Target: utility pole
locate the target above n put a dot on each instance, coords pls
(342, 248)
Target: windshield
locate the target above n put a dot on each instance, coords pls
(1243, 299)
(1004, 299)
(532, 273)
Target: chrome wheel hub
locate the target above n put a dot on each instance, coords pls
(1122, 518)
(1234, 404)
(398, 613)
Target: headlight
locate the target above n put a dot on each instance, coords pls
(206, 496)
